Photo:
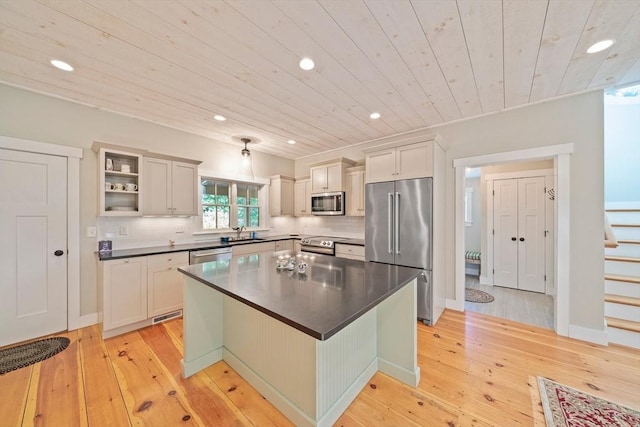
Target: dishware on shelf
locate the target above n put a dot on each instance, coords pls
(118, 186)
(109, 165)
(125, 169)
(108, 186)
(120, 208)
(130, 186)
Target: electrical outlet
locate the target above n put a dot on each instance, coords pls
(179, 229)
(124, 230)
(92, 231)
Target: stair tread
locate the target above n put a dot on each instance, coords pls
(619, 278)
(623, 210)
(621, 299)
(626, 225)
(621, 258)
(628, 325)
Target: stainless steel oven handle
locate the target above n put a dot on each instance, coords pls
(390, 221)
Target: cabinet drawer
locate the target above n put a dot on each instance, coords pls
(172, 258)
(350, 251)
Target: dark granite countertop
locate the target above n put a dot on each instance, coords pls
(210, 244)
(329, 296)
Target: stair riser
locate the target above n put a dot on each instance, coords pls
(625, 289)
(626, 233)
(631, 269)
(622, 311)
(624, 217)
(623, 337)
(624, 249)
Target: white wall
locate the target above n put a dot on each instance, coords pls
(29, 115)
(472, 231)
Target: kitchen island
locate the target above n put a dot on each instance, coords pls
(308, 341)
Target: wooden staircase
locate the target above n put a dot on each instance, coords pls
(622, 277)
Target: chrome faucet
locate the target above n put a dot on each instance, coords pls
(238, 231)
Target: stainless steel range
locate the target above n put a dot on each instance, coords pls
(320, 245)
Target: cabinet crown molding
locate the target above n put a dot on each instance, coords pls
(396, 141)
(282, 177)
(97, 145)
(332, 161)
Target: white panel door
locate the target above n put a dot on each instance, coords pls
(33, 245)
(505, 226)
(531, 240)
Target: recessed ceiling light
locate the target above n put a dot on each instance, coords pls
(374, 115)
(219, 118)
(307, 64)
(291, 141)
(61, 65)
(600, 46)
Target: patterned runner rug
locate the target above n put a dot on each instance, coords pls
(476, 295)
(564, 406)
(19, 356)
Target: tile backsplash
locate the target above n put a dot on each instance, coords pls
(158, 231)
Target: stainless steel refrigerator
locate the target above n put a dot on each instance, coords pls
(398, 230)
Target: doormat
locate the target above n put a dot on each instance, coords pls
(476, 295)
(19, 356)
(564, 406)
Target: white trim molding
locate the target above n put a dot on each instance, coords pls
(561, 155)
(587, 334)
(73, 155)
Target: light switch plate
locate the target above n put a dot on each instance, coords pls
(92, 231)
(179, 229)
(124, 230)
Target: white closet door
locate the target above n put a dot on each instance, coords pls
(33, 245)
(505, 225)
(531, 241)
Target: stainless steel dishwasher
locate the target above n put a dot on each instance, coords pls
(206, 255)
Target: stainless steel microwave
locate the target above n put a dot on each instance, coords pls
(327, 203)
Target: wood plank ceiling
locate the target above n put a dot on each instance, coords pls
(418, 63)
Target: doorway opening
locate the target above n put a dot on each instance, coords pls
(509, 236)
(560, 156)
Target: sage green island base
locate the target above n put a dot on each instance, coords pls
(311, 380)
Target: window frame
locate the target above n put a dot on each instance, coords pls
(263, 195)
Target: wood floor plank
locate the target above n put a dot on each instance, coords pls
(102, 392)
(206, 399)
(14, 386)
(149, 392)
(56, 395)
(245, 397)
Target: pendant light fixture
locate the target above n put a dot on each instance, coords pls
(247, 161)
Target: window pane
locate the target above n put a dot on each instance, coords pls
(208, 217)
(253, 195)
(254, 217)
(222, 216)
(222, 190)
(242, 216)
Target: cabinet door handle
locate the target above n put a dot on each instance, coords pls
(513, 238)
(522, 239)
(170, 259)
(126, 261)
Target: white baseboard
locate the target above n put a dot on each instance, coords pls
(88, 320)
(454, 304)
(484, 280)
(590, 335)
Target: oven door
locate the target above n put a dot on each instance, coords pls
(317, 250)
(327, 203)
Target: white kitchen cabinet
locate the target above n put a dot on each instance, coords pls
(124, 290)
(164, 282)
(119, 186)
(350, 251)
(400, 162)
(297, 246)
(252, 248)
(281, 196)
(302, 197)
(284, 245)
(171, 187)
(329, 176)
(355, 191)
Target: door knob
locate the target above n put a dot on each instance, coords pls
(513, 238)
(58, 252)
(522, 239)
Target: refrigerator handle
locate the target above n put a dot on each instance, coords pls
(390, 221)
(396, 222)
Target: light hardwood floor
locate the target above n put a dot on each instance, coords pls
(476, 371)
(531, 308)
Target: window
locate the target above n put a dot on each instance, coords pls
(226, 204)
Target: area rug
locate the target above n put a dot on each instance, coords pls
(476, 295)
(564, 406)
(19, 356)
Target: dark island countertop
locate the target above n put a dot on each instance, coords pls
(210, 244)
(328, 297)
